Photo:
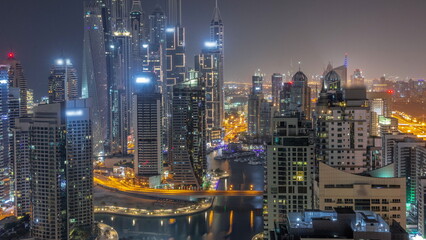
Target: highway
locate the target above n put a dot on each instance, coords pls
(119, 185)
(409, 124)
(234, 126)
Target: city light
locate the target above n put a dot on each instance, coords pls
(170, 30)
(145, 45)
(60, 62)
(210, 44)
(143, 80)
(74, 113)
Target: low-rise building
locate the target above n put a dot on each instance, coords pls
(382, 195)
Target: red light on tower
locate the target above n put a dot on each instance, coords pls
(391, 91)
(11, 55)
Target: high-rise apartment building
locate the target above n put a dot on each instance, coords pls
(147, 124)
(95, 77)
(296, 97)
(17, 80)
(289, 171)
(62, 82)
(188, 133)
(60, 137)
(175, 45)
(259, 110)
(409, 162)
(4, 135)
(277, 87)
(21, 166)
(138, 33)
(342, 125)
(208, 64)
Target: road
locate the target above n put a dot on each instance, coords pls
(122, 186)
(409, 124)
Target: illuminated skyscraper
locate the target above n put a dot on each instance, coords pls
(30, 100)
(138, 36)
(95, 75)
(17, 80)
(157, 29)
(62, 83)
(4, 135)
(148, 156)
(14, 112)
(61, 173)
(277, 86)
(217, 36)
(188, 134)
(255, 104)
(175, 61)
(155, 51)
(21, 166)
(208, 64)
(175, 45)
(217, 33)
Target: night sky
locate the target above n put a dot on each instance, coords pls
(380, 36)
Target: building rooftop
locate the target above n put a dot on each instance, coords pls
(359, 221)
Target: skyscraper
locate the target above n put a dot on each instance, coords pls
(175, 45)
(95, 83)
(208, 64)
(277, 86)
(255, 104)
(342, 125)
(289, 171)
(61, 169)
(296, 97)
(137, 27)
(62, 83)
(175, 61)
(13, 104)
(147, 124)
(4, 135)
(155, 61)
(217, 38)
(21, 166)
(188, 134)
(157, 29)
(217, 33)
(17, 80)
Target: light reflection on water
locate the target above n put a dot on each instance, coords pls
(230, 218)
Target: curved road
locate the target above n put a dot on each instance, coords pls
(123, 187)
